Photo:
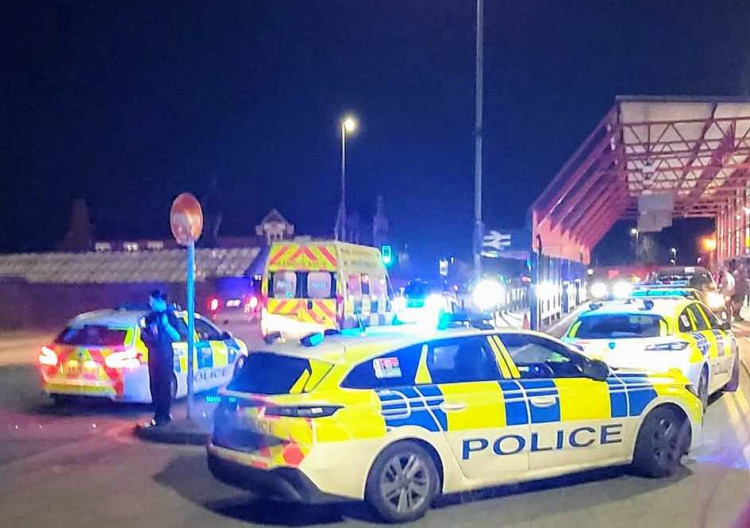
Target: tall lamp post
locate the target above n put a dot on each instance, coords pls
(348, 125)
(478, 229)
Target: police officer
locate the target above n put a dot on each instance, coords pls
(158, 332)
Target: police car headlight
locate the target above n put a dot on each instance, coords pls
(715, 300)
(434, 303)
(598, 290)
(399, 304)
(621, 289)
(488, 293)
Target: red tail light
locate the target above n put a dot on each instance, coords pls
(47, 357)
(213, 304)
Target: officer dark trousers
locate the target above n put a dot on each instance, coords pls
(160, 378)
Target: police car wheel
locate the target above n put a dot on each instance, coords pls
(402, 483)
(662, 440)
(734, 382)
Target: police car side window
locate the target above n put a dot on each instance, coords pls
(683, 322)
(537, 357)
(713, 321)
(392, 369)
(206, 331)
(700, 322)
(461, 360)
(181, 329)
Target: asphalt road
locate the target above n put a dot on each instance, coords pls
(82, 467)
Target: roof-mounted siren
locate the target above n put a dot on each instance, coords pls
(595, 306)
(648, 304)
(654, 211)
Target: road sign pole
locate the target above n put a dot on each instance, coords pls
(191, 327)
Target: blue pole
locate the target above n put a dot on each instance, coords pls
(191, 325)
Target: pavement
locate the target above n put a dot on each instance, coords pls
(82, 466)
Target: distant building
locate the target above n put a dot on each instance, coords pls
(274, 227)
(80, 234)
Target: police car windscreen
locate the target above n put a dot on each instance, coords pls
(92, 335)
(266, 373)
(618, 326)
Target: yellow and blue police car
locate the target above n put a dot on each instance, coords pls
(396, 417)
(101, 354)
(661, 333)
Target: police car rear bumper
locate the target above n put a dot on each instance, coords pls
(284, 483)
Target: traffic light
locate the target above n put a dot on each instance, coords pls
(387, 255)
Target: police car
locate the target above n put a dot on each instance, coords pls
(101, 354)
(660, 334)
(395, 418)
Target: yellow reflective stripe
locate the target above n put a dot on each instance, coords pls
(703, 315)
(318, 369)
(506, 356)
(692, 319)
(300, 383)
(574, 329)
(423, 373)
(500, 358)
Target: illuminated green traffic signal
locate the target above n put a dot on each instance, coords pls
(387, 255)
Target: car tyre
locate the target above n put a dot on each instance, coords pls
(402, 483)
(61, 400)
(663, 438)
(734, 382)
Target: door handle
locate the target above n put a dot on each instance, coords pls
(543, 401)
(453, 406)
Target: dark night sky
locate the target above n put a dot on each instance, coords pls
(129, 103)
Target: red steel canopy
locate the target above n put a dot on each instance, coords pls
(695, 149)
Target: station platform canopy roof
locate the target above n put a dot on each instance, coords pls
(689, 156)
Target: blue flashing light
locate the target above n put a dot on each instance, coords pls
(312, 340)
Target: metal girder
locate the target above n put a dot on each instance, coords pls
(604, 222)
(580, 194)
(562, 182)
(593, 203)
(590, 215)
(709, 173)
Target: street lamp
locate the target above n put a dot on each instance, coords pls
(348, 126)
(635, 234)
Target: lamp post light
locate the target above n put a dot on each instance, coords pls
(636, 235)
(348, 126)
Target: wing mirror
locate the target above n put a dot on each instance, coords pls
(596, 369)
(226, 335)
(726, 325)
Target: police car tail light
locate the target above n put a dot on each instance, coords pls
(213, 304)
(303, 411)
(676, 345)
(126, 359)
(48, 357)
